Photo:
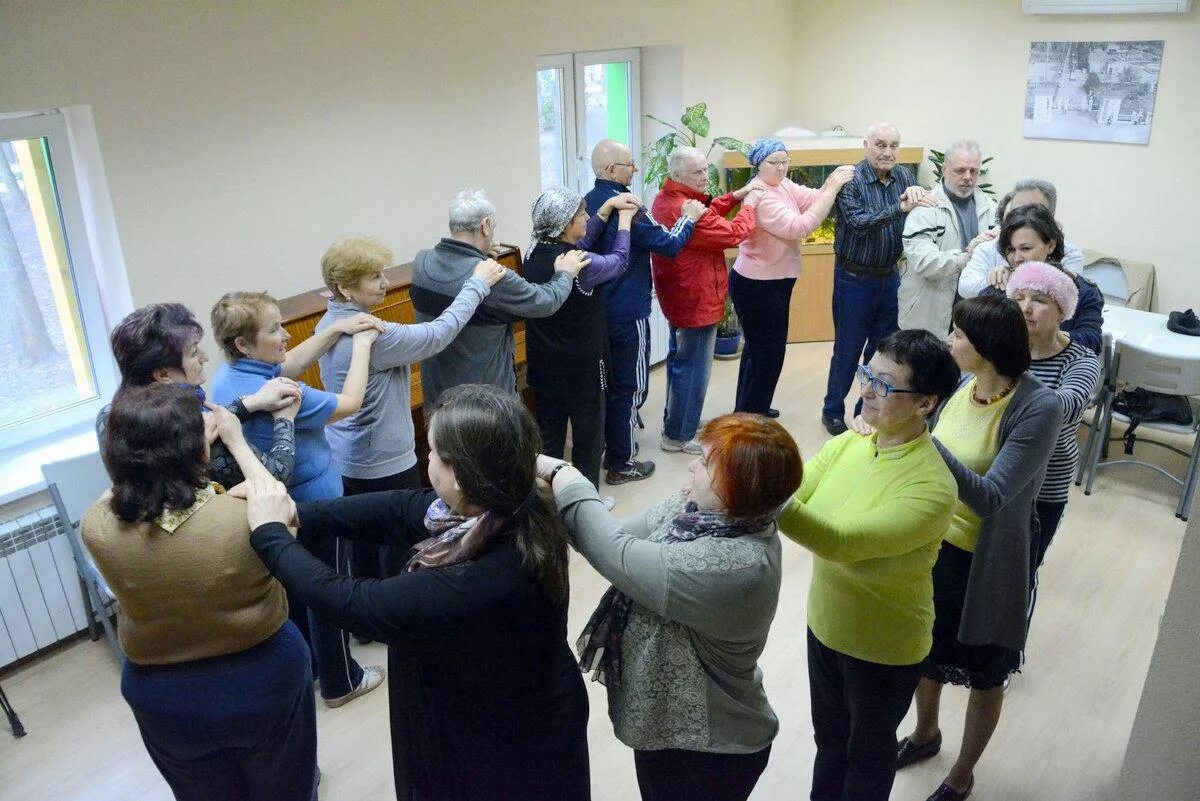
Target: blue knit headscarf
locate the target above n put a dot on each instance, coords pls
(763, 148)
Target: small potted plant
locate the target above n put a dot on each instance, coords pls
(729, 333)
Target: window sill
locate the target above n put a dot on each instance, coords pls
(21, 471)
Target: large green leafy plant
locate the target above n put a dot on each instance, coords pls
(695, 127)
(938, 159)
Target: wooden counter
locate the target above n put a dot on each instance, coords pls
(302, 312)
(810, 313)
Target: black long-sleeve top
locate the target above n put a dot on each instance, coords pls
(486, 698)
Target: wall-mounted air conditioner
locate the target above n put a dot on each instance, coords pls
(1106, 6)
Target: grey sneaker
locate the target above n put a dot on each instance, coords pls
(633, 470)
(372, 678)
(679, 446)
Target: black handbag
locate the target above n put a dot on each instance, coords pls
(1143, 406)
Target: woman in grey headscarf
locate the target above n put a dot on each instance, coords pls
(566, 351)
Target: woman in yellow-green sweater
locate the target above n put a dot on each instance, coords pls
(873, 510)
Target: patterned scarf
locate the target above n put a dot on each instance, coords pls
(599, 645)
(552, 212)
(457, 538)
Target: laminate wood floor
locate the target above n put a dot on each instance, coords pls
(1066, 719)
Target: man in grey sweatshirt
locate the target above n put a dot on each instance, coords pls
(483, 352)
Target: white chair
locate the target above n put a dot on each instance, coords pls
(1106, 387)
(75, 484)
(1111, 279)
(1135, 367)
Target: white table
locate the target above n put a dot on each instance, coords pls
(1148, 331)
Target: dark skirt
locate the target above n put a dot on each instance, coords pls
(980, 667)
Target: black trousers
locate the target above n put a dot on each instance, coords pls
(856, 708)
(762, 307)
(678, 775)
(378, 561)
(557, 405)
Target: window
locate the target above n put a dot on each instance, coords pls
(581, 99)
(55, 363)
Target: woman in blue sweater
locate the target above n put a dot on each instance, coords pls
(249, 328)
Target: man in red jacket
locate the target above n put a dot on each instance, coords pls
(692, 288)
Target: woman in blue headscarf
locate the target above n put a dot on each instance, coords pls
(767, 266)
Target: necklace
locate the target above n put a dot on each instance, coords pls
(998, 396)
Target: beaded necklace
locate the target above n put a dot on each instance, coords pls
(998, 396)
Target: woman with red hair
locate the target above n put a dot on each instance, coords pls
(677, 637)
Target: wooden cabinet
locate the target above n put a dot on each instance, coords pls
(810, 161)
(301, 312)
(810, 314)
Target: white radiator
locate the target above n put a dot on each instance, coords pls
(40, 598)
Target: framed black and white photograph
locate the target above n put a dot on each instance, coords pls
(1093, 91)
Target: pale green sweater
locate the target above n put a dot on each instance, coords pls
(874, 520)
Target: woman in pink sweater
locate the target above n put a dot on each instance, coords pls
(767, 265)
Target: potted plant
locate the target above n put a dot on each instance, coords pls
(938, 159)
(729, 333)
(695, 124)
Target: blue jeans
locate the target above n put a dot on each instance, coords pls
(689, 364)
(865, 310)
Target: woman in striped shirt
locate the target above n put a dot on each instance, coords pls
(1047, 296)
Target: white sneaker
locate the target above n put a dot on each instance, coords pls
(679, 446)
(372, 678)
(609, 502)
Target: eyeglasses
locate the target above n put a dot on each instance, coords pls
(630, 164)
(879, 387)
(777, 162)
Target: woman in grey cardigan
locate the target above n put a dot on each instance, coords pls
(996, 434)
(695, 584)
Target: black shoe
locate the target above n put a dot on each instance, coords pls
(772, 413)
(945, 792)
(908, 753)
(834, 425)
(1184, 322)
(633, 470)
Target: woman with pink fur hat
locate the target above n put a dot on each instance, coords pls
(1048, 296)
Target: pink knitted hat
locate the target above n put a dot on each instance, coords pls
(1037, 276)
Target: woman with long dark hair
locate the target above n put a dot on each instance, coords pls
(996, 434)
(217, 677)
(486, 701)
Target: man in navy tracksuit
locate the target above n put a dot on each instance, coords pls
(627, 302)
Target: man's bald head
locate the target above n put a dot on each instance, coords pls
(883, 146)
(613, 161)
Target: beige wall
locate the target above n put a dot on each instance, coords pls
(1163, 759)
(241, 139)
(945, 69)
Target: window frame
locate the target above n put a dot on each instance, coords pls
(53, 126)
(578, 169)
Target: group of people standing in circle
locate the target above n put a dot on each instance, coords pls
(926, 520)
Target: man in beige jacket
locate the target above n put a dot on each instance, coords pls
(939, 240)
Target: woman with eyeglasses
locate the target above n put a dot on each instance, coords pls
(768, 262)
(996, 433)
(873, 511)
